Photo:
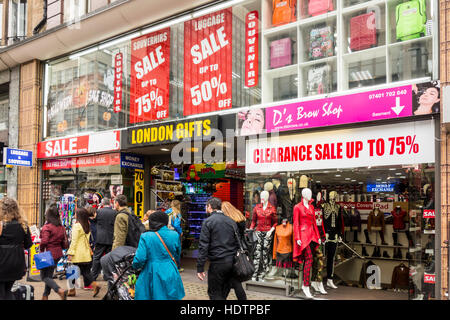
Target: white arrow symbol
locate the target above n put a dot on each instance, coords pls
(398, 108)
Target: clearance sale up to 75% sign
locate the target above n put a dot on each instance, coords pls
(208, 63)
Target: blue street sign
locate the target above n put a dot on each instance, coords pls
(17, 157)
(128, 160)
(381, 187)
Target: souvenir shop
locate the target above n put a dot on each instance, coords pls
(373, 192)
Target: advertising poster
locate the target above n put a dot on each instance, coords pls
(208, 63)
(139, 193)
(150, 74)
(251, 49)
(33, 251)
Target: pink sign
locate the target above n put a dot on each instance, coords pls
(360, 107)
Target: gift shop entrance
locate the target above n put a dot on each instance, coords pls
(371, 194)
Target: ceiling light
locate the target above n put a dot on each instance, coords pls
(164, 149)
(403, 177)
(398, 173)
(378, 179)
(353, 180)
(361, 182)
(338, 175)
(392, 169)
(347, 179)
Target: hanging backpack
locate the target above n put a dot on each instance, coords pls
(321, 43)
(284, 11)
(411, 18)
(319, 81)
(135, 229)
(318, 7)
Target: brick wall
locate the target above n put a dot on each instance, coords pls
(29, 127)
(444, 12)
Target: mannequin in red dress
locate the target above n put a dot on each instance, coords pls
(306, 237)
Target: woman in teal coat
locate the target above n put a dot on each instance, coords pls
(159, 278)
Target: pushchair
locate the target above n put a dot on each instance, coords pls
(125, 278)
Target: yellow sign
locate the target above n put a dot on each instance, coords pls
(33, 250)
(139, 192)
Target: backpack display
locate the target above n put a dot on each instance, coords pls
(363, 31)
(135, 229)
(318, 7)
(319, 80)
(411, 18)
(280, 53)
(284, 11)
(321, 43)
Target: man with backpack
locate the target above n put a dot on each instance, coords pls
(127, 226)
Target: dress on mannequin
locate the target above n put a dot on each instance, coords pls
(264, 219)
(288, 198)
(375, 222)
(282, 246)
(355, 223)
(347, 221)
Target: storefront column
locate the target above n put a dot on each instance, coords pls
(13, 139)
(29, 128)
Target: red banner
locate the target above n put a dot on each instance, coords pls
(150, 74)
(428, 214)
(251, 49)
(90, 161)
(208, 63)
(118, 72)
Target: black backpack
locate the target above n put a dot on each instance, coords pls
(135, 229)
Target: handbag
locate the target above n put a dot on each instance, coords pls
(164, 244)
(44, 260)
(243, 267)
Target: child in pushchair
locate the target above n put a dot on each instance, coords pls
(123, 286)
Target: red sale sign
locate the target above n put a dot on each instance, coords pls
(429, 214)
(118, 68)
(251, 49)
(429, 278)
(150, 74)
(208, 63)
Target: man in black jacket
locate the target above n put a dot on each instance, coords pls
(217, 244)
(105, 231)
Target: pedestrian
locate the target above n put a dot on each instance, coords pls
(14, 238)
(158, 254)
(145, 218)
(231, 211)
(121, 221)
(80, 252)
(105, 230)
(175, 216)
(54, 239)
(219, 245)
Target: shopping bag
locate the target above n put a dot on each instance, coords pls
(43, 260)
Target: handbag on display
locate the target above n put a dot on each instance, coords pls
(321, 43)
(243, 267)
(44, 260)
(318, 7)
(363, 31)
(284, 11)
(281, 53)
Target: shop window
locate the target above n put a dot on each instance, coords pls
(17, 26)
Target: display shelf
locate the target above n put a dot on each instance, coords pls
(371, 53)
(377, 245)
(362, 6)
(282, 28)
(409, 42)
(318, 61)
(317, 19)
(282, 72)
(415, 229)
(383, 258)
(429, 231)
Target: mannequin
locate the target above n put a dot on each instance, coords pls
(333, 225)
(268, 186)
(347, 221)
(264, 221)
(375, 222)
(288, 197)
(306, 237)
(399, 224)
(282, 245)
(319, 261)
(355, 223)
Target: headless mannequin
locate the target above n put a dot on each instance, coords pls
(282, 232)
(268, 213)
(288, 198)
(306, 198)
(356, 223)
(333, 224)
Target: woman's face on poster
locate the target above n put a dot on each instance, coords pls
(254, 122)
(429, 97)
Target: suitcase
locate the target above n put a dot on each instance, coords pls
(319, 80)
(280, 53)
(321, 43)
(284, 11)
(363, 31)
(411, 18)
(318, 7)
(22, 291)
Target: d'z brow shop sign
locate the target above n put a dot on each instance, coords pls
(170, 132)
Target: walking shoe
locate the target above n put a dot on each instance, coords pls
(96, 288)
(44, 298)
(71, 293)
(89, 287)
(63, 294)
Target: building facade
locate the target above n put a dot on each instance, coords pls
(127, 97)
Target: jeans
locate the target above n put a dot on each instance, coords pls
(5, 290)
(219, 280)
(47, 277)
(99, 250)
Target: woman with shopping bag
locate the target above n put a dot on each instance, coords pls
(53, 240)
(80, 252)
